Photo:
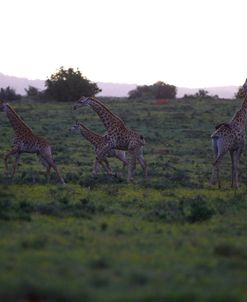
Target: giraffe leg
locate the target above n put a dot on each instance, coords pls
(216, 152)
(95, 168)
(131, 165)
(237, 159)
(101, 157)
(119, 154)
(216, 170)
(17, 159)
(221, 147)
(46, 164)
(48, 172)
(142, 162)
(51, 164)
(105, 165)
(233, 169)
(136, 154)
(10, 153)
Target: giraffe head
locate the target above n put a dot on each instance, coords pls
(75, 127)
(3, 105)
(243, 90)
(83, 101)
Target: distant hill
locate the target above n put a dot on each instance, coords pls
(115, 89)
(110, 89)
(19, 84)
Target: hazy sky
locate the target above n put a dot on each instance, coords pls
(187, 43)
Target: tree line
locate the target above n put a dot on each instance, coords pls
(68, 85)
(65, 85)
(159, 90)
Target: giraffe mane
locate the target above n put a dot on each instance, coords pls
(19, 118)
(82, 125)
(87, 129)
(108, 110)
(222, 124)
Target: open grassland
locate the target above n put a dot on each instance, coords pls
(170, 238)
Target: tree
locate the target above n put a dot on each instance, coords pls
(162, 90)
(159, 90)
(141, 92)
(9, 94)
(32, 91)
(202, 93)
(69, 85)
(35, 94)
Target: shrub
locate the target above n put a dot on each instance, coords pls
(183, 210)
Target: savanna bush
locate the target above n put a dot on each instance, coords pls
(9, 210)
(183, 210)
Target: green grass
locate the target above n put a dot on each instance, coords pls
(170, 238)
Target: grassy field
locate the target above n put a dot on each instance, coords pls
(170, 238)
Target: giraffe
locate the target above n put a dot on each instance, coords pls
(26, 141)
(99, 141)
(230, 137)
(118, 135)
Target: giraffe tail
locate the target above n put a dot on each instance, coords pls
(215, 143)
(142, 140)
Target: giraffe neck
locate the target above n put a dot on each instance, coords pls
(90, 135)
(240, 117)
(107, 117)
(17, 123)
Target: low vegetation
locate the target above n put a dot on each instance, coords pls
(170, 238)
